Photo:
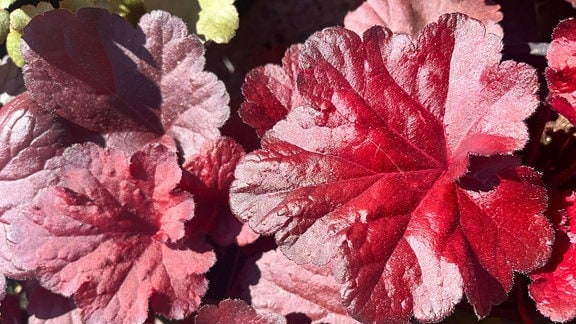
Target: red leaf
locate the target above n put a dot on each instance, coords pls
(235, 311)
(376, 169)
(208, 177)
(111, 235)
(553, 288)
(270, 93)
(561, 71)
(410, 16)
(130, 85)
(285, 287)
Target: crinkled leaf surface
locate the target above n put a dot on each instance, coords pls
(208, 177)
(553, 287)
(110, 234)
(186, 9)
(131, 85)
(410, 16)
(285, 287)
(270, 92)
(372, 168)
(561, 71)
(29, 137)
(235, 311)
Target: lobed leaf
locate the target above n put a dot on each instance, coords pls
(285, 287)
(217, 20)
(111, 234)
(29, 138)
(208, 177)
(553, 286)
(561, 70)
(235, 311)
(374, 171)
(409, 16)
(129, 86)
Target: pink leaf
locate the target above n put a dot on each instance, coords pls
(561, 71)
(235, 311)
(410, 16)
(130, 85)
(553, 287)
(111, 234)
(375, 169)
(285, 287)
(208, 177)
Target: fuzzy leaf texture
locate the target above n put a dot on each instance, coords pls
(110, 233)
(235, 311)
(29, 137)
(553, 287)
(127, 86)
(561, 70)
(375, 170)
(284, 287)
(410, 16)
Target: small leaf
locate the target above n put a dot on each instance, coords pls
(235, 311)
(218, 20)
(19, 19)
(285, 287)
(5, 4)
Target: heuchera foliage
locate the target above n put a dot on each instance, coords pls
(110, 233)
(376, 169)
(107, 220)
(409, 16)
(306, 289)
(561, 73)
(553, 288)
(235, 311)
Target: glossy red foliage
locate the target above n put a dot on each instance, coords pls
(375, 172)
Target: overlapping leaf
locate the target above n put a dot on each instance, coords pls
(561, 71)
(285, 287)
(129, 86)
(111, 234)
(553, 287)
(208, 177)
(375, 169)
(410, 16)
(29, 137)
(235, 311)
